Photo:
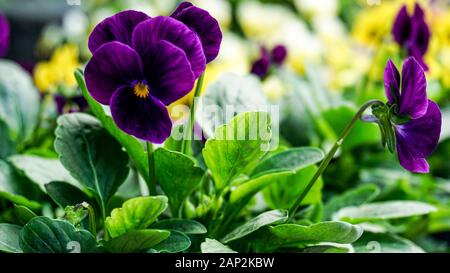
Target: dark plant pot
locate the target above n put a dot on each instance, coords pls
(27, 18)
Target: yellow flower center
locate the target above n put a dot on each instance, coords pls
(141, 90)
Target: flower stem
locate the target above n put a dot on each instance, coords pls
(151, 170)
(186, 144)
(331, 154)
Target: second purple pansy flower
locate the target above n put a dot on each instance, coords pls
(417, 137)
(4, 36)
(141, 64)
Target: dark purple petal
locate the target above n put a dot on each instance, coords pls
(261, 67)
(60, 103)
(4, 36)
(413, 96)
(113, 65)
(175, 32)
(279, 54)
(392, 82)
(418, 138)
(402, 26)
(168, 72)
(420, 36)
(144, 118)
(416, 53)
(206, 27)
(118, 27)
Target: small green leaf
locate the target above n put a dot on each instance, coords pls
(293, 235)
(137, 213)
(23, 214)
(177, 176)
(65, 194)
(182, 225)
(329, 248)
(9, 238)
(237, 147)
(176, 242)
(385, 243)
(292, 159)
(354, 197)
(383, 211)
(44, 235)
(264, 219)
(91, 155)
(137, 240)
(214, 246)
(134, 148)
(41, 170)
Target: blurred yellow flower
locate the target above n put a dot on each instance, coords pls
(438, 55)
(48, 76)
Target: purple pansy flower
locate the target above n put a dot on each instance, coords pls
(139, 66)
(412, 33)
(4, 36)
(202, 23)
(277, 56)
(418, 136)
(70, 105)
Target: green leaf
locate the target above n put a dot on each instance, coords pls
(137, 240)
(292, 159)
(41, 170)
(14, 187)
(91, 155)
(267, 218)
(293, 235)
(182, 225)
(176, 242)
(23, 214)
(361, 134)
(20, 101)
(385, 243)
(383, 211)
(134, 148)
(177, 176)
(136, 213)
(65, 194)
(354, 197)
(283, 192)
(214, 246)
(243, 92)
(44, 235)
(329, 248)
(237, 147)
(9, 238)
(275, 168)
(7, 144)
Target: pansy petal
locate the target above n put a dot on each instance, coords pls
(415, 165)
(118, 27)
(419, 137)
(168, 72)
(113, 65)
(4, 36)
(415, 52)
(413, 96)
(175, 32)
(420, 37)
(392, 82)
(144, 118)
(206, 27)
(402, 26)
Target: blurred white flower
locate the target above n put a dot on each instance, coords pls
(219, 9)
(317, 8)
(75, 23)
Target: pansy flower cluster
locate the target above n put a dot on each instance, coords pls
(142, 64)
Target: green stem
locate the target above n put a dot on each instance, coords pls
(92, 221)
(151, 169)
(186, 144)
(331, 154)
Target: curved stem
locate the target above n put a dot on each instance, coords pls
(186, 144)
(151, 169)
(331, 154)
